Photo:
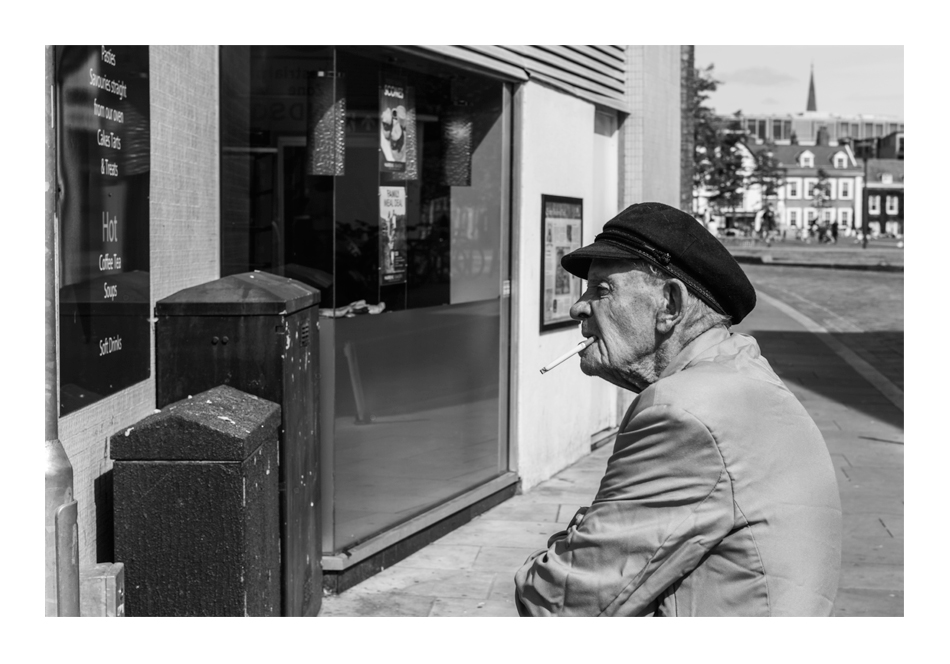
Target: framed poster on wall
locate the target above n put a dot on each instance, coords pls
(561, 226)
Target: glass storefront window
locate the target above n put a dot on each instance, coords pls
(380, 178)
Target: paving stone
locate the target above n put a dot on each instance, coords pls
(399, 579)
(888, 551)
(511, 533)
(503, 588)
(441, 556)
(470, 608)
(864, 526)
(861, 602)
(877, 475)
(870, 501)
(502, 559)
(894, 523)
(349, 604)
(519, 510)
(876, 576)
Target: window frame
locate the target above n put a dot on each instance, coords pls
(797, 192)
(891, 209)
(845, 189)
(874, 204)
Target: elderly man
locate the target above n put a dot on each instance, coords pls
(719, 497)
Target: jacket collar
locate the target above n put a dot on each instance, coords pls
(695, 348)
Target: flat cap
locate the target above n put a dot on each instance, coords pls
(678, 245)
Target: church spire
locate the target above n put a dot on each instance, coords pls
(812, 106)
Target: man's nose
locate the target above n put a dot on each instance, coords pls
(580, 309)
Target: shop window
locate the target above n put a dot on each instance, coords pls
(379, 178)
(890, 204)
(874, 205)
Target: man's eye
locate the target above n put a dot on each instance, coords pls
(602, 291)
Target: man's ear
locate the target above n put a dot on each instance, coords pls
(673, 308)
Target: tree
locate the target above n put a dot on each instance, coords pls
(821, 191)
(726, 179)
(705, 125)
(767, 172)
(717, 157)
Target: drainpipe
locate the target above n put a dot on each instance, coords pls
(62, 533)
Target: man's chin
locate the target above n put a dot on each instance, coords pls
(590, 368)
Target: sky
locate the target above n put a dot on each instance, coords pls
(774, 79)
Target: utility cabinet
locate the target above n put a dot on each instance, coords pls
(196, 507)
(258, 332)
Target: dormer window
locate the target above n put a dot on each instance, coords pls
(807, 160)
(887, 178)
(841, 160)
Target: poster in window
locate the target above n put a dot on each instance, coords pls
(394, 124)
(104, 157)
(561, 226)
(392, 235)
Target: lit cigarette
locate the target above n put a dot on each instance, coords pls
(574, 351)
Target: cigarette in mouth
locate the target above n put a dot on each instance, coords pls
(574, 351)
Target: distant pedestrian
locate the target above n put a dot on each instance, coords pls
(720, 496)
(834, 232)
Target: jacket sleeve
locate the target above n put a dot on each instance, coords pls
(664, 502)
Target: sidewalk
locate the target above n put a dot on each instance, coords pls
(470, 571)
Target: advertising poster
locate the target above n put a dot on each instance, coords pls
(561, 234)
(394, 126)
(103, 173)
(392, 235)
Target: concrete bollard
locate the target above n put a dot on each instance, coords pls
(196, 507)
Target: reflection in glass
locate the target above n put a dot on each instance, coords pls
(415, 388)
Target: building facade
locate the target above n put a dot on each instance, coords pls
(798, 205)
(884, 197)
(425, 192)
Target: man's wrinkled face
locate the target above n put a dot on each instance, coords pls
(619, 308)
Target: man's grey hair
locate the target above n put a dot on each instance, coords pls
(698, 314)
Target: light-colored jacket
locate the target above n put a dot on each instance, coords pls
(719, 498)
